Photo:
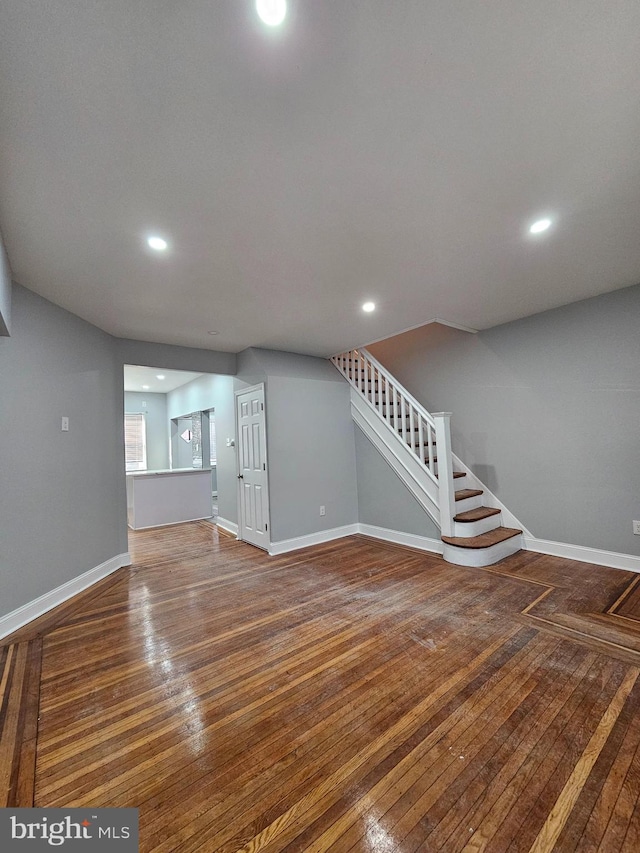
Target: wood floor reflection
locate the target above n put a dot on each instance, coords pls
(354, 696)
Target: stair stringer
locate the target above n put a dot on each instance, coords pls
(393, 449)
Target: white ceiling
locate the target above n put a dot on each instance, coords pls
(135, 377)
(393, 151)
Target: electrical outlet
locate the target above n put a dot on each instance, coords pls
(65, 425)
(636, 528)
(323, 511)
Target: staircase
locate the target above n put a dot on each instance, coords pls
(417, 445)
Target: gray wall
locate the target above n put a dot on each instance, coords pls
(546, 411)
(181, 451)
(149, 354)
(310, 441)
(62, 500)
(5, 292)
(383, 499)
(154, 406)
(311, 456)
(213, 392)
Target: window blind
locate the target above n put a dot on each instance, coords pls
(135, 443)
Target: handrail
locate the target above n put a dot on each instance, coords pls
(407, 419)
(415, 403)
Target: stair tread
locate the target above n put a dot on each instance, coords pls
(483, 540)
(456, 474)
(476, 514)
(462, 494)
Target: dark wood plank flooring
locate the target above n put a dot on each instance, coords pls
(354, 696)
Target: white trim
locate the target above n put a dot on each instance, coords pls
(400, 458)
(422, 543)
(285, 545)
(225, 524)
(17, 618)
(170, 523)
(612, 559)
(453, 325)
(442, 322)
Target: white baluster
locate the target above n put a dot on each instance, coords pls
(403, 417)
(432, 464)
(395, 409)
(385, 399)
(421, 437)
(412, 432)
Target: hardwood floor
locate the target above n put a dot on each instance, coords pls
(354, 696)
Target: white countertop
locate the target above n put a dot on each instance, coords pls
(168, 471)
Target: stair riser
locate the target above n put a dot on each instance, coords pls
(459, 482)
(468, 503)
(477, 557)
(475, 528)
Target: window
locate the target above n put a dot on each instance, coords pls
(135, 442)
(212, 440)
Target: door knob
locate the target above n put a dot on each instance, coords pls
(241, 476)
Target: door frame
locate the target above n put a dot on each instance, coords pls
(260, 386)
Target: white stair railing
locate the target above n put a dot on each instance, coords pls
(427, 436)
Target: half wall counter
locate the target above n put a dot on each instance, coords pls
(157, 498)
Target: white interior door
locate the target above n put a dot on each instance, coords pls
(253, 515)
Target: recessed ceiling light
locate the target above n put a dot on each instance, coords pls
(272, 12)
(213, 332)
(160, 376)
(369, 306)
(145, 387)
(539, 226)
(157, 244)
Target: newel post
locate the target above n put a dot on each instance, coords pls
(445, 472)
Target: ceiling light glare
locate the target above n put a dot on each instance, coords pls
(213, 332)
(272, 12)
(160, 376)
(369, 306)
(539, 226)
(157, 244)
(145, 387)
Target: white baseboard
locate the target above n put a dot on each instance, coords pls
(229, 526)
(285, 545)
(627, 562)
(422, 543)
(17, 618)
(170, 523)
